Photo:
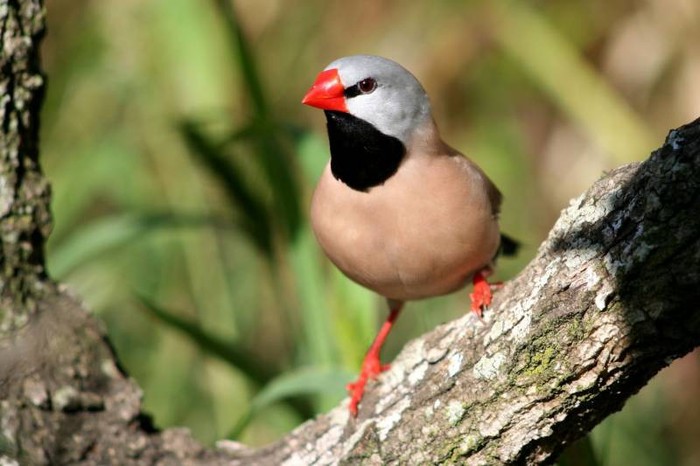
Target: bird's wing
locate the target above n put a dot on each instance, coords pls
(492, 193)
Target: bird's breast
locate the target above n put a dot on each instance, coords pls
(422, 233)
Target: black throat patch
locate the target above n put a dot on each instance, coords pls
(361, 155)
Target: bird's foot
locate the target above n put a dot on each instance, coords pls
(482, 296)
(371, 368)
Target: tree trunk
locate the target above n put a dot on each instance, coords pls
(24, 195)
(610, 299)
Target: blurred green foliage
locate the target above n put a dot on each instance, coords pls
(182, 165)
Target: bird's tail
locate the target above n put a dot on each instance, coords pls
(509, 246)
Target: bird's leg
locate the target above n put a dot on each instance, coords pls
(371, 365)
(481, 296)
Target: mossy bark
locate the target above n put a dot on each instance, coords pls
(611, 298)
(24, 195)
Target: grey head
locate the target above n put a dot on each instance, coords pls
(396, 103)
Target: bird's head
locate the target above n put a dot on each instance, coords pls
(374, 89)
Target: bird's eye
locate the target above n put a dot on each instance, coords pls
(367, 85)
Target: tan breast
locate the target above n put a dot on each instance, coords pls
(423, 233)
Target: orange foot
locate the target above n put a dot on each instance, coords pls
(482, 296)
(371, 368)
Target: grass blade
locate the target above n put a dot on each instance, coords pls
(255, 217)
(302, 381)
(558, 68)
(276, 162)
(113, 232)
(231, 353)
(226, 350)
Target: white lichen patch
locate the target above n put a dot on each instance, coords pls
(391, 389)
(520, 330)
(389, 420)
(230, 446)
(602, 297)
(488, 367)
(297, 459)
(583, 383)
(339, 416)
(518, 321)
(497, 329)
(321, 451)
(326, 443)
(580, 255)
(613, 265)
(7, 194)
(454, 364)
(579, 210)
(454, 412)
(468, 443)
(418, 373)
(675, 140)
(412, 353)
(591, 278)
(634, 252)
(109, 368)
(410, 362)
(581, 213)
(65, 397)
(434, 355)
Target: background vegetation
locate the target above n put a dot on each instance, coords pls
(182, 163)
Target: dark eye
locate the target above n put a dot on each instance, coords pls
(367, 85)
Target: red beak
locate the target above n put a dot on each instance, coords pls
(327, 92)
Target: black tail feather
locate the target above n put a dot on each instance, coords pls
(509, 246)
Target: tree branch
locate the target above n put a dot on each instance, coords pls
(610, 299)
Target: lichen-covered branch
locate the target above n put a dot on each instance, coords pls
(611, 298)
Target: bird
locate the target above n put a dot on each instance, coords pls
(397, 209)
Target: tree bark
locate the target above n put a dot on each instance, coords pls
(611, 298)
(24, 195)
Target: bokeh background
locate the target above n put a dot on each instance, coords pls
(182, 164)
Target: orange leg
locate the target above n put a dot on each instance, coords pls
(481, 296)
(371, 365)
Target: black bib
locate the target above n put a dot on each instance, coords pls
(361, 155)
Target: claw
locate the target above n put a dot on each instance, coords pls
(482, 296)
(371, 368)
